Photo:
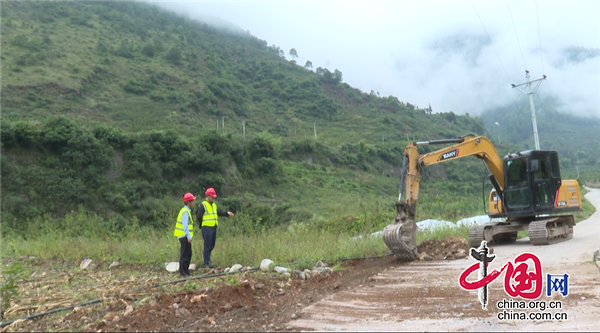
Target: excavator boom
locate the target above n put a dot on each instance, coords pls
(400, 235)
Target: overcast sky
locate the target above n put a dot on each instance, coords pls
(435, 52)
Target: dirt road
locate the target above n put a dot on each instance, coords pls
(425, 296)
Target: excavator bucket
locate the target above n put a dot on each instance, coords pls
(401, 235)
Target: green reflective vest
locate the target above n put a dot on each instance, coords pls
(210, 217)
(179, 225)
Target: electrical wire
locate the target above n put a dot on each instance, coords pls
(540, 36)
(518, 42)
(490, 38)
(506, 112)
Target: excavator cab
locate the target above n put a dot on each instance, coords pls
(532, 184)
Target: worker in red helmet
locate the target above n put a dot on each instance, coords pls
(184, 231)
(208, 214)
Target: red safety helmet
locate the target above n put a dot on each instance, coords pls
(188, 197)
(211, 192)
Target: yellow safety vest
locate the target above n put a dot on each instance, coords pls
(210, 217)
(179, 225)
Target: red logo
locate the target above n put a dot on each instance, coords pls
(519, 280)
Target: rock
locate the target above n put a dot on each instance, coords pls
(314, 273)
(101, 324)
(172, 267)
(192, 267)
(109, 316)
(152, 312)
(85, 263)
(302, 276)
(116, 319)
(294, 316)
(336, 285)
(280, 269)
(183, 313)
(175, 306)
(128, 310)
(213, 323)
(235, 268)
(259, 286)
(321, 264)
(226, 270)
(266, 265)
(460, 255)
(427, 257)
(197, 298)
(320, 269)
(114, 264)
(287, 275)
(177, 300)
(289, 328)
(244, 283)
(85, 319)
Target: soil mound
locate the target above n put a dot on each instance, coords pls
(450, 248)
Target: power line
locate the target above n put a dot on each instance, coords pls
(507, 110)
(518, 42)
(509, 81)
(540, 37)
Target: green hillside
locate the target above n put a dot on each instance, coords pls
(575, 138)
(111, 108)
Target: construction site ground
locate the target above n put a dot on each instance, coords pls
(363, 295)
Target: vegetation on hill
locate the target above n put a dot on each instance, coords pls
(115, 109)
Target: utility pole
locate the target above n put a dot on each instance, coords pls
(315, 127)
(530, 92)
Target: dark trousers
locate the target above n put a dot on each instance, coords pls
(210, 237)
(185, 256)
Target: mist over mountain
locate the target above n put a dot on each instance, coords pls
(459, 57)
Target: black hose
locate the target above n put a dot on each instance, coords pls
(193, 278)
(165, 283)
(51, 311)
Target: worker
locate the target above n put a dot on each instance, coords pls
(184, 231)
(208, 214)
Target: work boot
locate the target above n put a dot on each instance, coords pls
(209, 265)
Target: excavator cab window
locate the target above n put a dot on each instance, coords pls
(554, 165)
(542, 191)
(517, 193)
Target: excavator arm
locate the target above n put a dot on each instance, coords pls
(400, 235)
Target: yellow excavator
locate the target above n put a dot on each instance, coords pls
(527, 189)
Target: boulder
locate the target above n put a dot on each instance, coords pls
(266, 265)
(235, 268)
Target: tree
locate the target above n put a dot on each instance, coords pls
(174, 55)
(281, 53)
(293, 53)
(308, 64)
(337, 76)
(148, 50)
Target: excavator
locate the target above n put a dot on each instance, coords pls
(527, 188)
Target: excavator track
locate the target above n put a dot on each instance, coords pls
(401, 238)
(551, 230)
(476, 235)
